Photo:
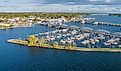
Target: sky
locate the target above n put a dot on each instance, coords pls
(84, 6)
(65, 2)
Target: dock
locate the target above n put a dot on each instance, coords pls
(107, 24)
(60, 47)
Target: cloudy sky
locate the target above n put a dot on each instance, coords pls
(70, 2)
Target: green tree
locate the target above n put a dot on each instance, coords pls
(41, 42)
(55, 44)
(32, 40)
(71, 46)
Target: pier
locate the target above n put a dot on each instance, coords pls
(107, 24)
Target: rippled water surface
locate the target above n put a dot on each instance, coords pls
(21, 58)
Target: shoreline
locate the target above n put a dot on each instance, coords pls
(44, 16)
(23, 42)
(11, 20)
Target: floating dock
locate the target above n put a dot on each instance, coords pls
(22, 42)
(106, 23)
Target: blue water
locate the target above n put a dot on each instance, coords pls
(107, 18)
(21, 58)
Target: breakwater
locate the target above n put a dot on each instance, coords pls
(60, 47)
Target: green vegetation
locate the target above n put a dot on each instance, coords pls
(42, 41)
(11, 26)
(32, 40)
(0, 26)
(42, 15)
(55, 45)
(4, 27)
(27, 19)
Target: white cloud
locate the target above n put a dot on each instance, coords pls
(109, 1)
(94, 0)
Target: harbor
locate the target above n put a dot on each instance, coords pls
(60, 35)
(73, 37)
(88, 39)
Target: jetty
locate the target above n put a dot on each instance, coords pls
(60, 47)
(18, 41)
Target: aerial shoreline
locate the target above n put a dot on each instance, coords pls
(31, 18)
(12, 20)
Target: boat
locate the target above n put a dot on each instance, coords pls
(119, 46)
(85, 42)
(107, 44)
(110, 42)
(115, 43)
(79, 37)
(96, 40)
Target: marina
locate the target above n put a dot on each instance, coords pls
(94, 22)
(18, 55)
(73, 36)
(60, 35)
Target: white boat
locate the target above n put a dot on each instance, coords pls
(95, 23)
(96, 40)
(64, 35)
(59, 36)
(117, 39)
(63, 41)
(119, 46)
(101, 37)
(93, 42)
(85, 42)
(79, 37)
(107, 44)
(115, 43)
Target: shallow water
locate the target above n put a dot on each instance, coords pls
(21, 58)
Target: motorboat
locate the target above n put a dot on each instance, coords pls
(85, 42)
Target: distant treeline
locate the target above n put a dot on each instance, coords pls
(43, 15)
